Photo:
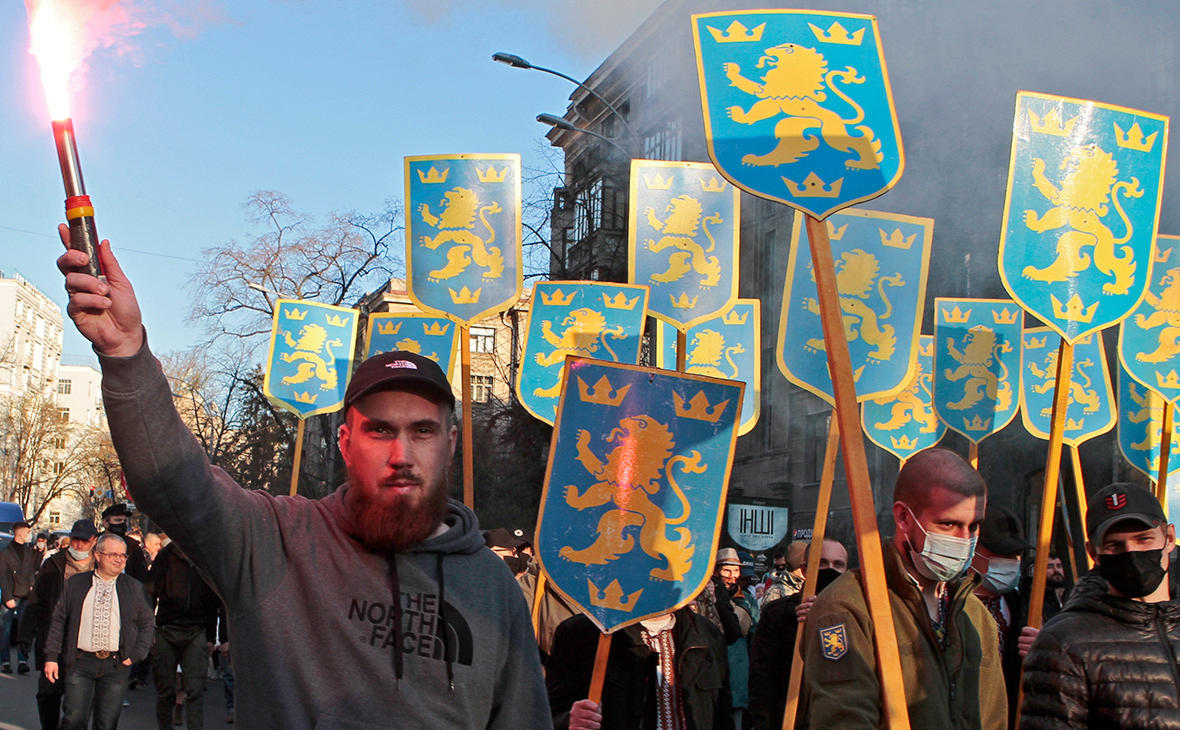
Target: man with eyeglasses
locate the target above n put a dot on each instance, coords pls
(101, 626)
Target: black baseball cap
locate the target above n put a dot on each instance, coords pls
(398, 370)
(83, 530)
(1119, 502)
(499, 537)
(117, 510)
(1001, 533)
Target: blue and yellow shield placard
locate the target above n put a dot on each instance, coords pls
(310, 360)
(1081, 212)
(638, 471)
(1091, 410)
(729, 346)
(1141, 428)
(424, 334)
(906, 423)
(463, 246)
(683, 239)
(1149, 340)
(977, 350)
(580, 319)
(881, 265)
(798, 107)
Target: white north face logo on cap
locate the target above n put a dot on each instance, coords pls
(401, 364)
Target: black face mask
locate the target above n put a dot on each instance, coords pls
(119, 528)
(517, 563)
(824, 578)
(1133, 574)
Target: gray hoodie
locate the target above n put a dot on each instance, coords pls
(315, 632)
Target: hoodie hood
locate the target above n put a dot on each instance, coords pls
(462, 536)
(1091, 594)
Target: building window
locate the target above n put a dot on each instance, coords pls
(63, 415)
(587, 210)
(64, 386)
(54, 517)
(57, 442)
(483, 339)
(614, 209)
(58, 468)
(481, 388)
(659, 69)
(663, 143)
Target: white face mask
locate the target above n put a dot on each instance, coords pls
(1002, 575)
(78, 554)
(943, 557)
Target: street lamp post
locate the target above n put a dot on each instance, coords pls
(562, 123)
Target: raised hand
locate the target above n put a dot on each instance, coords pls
(106, 313)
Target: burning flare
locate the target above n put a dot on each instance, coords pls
(58, 40)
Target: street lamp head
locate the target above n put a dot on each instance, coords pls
(558, 122)
(511, 59)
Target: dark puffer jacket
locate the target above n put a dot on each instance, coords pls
(1105, 662)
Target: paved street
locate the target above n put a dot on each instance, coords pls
(18, 705)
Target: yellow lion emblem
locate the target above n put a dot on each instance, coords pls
(632, 471)
(708, 347)
(1151, 409)
(312, 339)
(912, 405)
(856, 273)
(455, 225)
(585, 330)
(795, 85)
(680, 231)
(1166, 315)
(980, 354)
(1081, 386)
(1080, 205)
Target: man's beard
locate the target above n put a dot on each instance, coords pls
(1055, 581)
(386, 521)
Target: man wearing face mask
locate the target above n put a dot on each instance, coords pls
(117, 519)
(946, 638)
(1109, 659)
(997, 561)
(773, 646)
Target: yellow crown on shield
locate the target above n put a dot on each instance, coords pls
(977, 424)
(335, 320)
(435, 329)
(490, 175)
(658, 182)
(713, 186)
(896, 239)
(835, 233)
(388, 328)
(1005, 316)
(619, 301)
(737, 33)
(295, 314)
(612, 597)
(904, 443)
(732, 317)
(698, 407)
(465, 295)
(1171, 380)
(1161, 257)
(837, 34)
(926, 350)
(684, 302)
(1133, 138)
(956, 315)
(601, 392)
(1051, 124)
(1036, 344)
(433, 175)
(1074, 310)
(557, 298)
(307, 398)
(814, 187)
(1072, 425)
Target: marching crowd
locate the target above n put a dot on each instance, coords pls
(381, 606)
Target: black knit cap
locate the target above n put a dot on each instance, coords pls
(1119, 502)
(1001, 533)
(398, 370)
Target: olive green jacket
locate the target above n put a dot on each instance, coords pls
(961, 688)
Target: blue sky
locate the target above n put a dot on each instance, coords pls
(319, 100)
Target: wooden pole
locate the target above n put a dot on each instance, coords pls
(681, 346)
(599, 676)
(538, 595)
(1080, 489)
(1036, 602)
(973, 456)
(856, 471)
(1069, 546)
(298, 457)
(818, 530)
(1161, 484)
(468, 439)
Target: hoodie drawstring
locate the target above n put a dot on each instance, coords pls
(442, 615)
(396, 589)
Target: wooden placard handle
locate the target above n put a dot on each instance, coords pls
(599, 676)
(298, 456)
(468, 438)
